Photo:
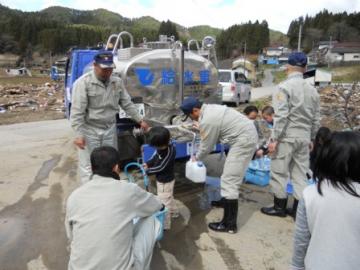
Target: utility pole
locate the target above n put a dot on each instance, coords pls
(244, 57)
(329, 58)
(299, 40)
(50, 58)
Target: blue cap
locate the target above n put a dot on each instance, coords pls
(298, 59)
(189, 104)
(104, 59)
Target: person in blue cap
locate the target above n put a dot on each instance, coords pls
(96, 97)
(220, 123)
(296, 121)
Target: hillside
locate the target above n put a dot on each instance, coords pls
(199, 32)
(278, 38)
(146, 22)
(100, 17)
(56, 29)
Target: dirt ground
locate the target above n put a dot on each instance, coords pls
(39, 171)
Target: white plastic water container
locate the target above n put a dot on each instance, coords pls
(195, 171)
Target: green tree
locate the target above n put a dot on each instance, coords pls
(168, 28)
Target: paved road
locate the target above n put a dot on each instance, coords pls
(38, 170)
(262, 92)
(267, 89)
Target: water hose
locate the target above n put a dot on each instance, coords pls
(143, 172)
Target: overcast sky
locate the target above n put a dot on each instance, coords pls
(217, 13)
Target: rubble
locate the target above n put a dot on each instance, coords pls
(28, 97)
(340, 107)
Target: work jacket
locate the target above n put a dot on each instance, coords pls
(223, 124)
(99, 222)
(297, 109)
(96, 104)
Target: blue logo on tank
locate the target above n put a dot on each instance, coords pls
(145, 76)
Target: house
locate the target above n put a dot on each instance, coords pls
(18, 72)
(273, 51)
(318, 77)
(326, 44)
(284, 57)
(345, 52)
(274, 55)
(244, 66)
(272, 61)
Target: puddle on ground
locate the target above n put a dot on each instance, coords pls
(30, 228)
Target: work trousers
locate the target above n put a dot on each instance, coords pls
(94, 137)
(165, 192)
(146, 231)
(236, 163)
(291, 161)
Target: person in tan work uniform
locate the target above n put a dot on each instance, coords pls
(96, 97)
(100, 215)
(220, 123)
(296, 121)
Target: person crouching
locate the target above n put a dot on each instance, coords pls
(99, 219)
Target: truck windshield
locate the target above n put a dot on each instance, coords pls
(224, 76)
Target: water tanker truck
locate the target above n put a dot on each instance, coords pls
(158, 75)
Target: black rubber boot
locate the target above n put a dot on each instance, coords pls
(229, 222)
(278, 210)
(219, 203)
(292, 211)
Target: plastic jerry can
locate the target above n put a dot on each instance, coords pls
(195, 171)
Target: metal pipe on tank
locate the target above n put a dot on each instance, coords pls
(130, 36)
(182, 67)
(119, 39)
(208, 43)
(109, 41)
(182, 72)
(191, 41)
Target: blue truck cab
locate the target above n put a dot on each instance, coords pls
(75, 66)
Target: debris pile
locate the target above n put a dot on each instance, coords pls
(22, 98)
(340, 107)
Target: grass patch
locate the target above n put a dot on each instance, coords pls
(348, 74)
(279, 76)
(266, 66)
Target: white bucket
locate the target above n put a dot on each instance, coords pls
(195, 171)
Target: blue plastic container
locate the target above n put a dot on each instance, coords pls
(290, 187)
(258, 172)
(257, 177)
(161, 217)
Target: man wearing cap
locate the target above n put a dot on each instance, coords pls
(296, 121)
(220, 123)
(96, 97)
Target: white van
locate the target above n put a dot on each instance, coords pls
(236, 88)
